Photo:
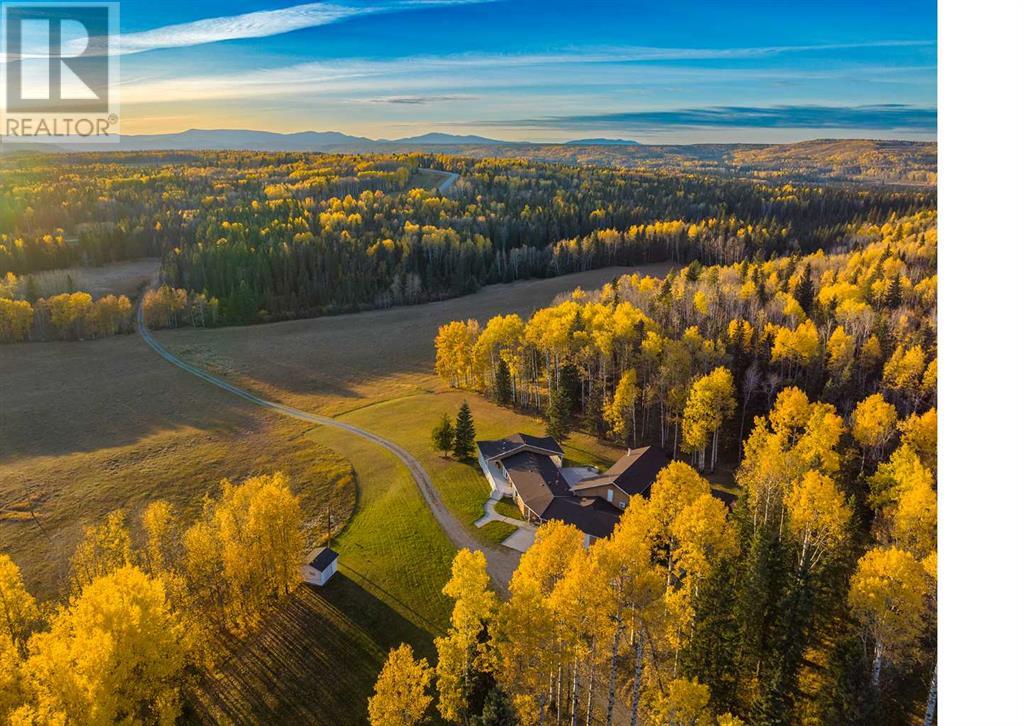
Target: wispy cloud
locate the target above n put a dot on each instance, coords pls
(264, 23)
(412, 76)
(418, 100)
(868, 117)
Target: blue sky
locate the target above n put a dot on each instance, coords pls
(657, 72)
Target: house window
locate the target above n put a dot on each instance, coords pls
(611, 495)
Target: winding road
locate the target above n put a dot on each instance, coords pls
(500, 562)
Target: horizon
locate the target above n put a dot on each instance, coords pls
(601, 140)
(533, 72)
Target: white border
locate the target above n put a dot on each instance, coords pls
(981, 362)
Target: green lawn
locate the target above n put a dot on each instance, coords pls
(495, 532)
(507, 508)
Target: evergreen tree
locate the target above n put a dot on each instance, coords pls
(804, 292)
(560, 404)
(443, 435)
(465, 433)
(503, 383)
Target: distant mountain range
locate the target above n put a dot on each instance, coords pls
(242, 139)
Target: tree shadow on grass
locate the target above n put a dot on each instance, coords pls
(314, 660)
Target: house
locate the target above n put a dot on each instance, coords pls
(529, 470)
(320, 565)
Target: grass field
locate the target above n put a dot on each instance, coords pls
(89, 427)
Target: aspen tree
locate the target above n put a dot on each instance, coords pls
(887, 596)
(400, 695)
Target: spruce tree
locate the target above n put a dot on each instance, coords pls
(503, 383)
(465, 433)
(560, 403)
(443, 435)
(804, 292)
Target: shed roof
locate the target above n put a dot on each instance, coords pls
(321, 558)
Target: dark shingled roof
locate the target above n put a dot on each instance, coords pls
(543, 489)
(321, 558)
(537, 480)
(591, 515)
(633, 473)
(517, 442)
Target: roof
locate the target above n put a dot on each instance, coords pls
(591, 515)
(543, 489)
(537, 480)
(509, 445)
(321, 558)
(633, 473)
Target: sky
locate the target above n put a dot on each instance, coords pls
(534, 70)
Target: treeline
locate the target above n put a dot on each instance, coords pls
(624, 361)
(141, 619)
(68, 316)
(275, 236)
(167, 307)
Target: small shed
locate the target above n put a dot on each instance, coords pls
(321, 564)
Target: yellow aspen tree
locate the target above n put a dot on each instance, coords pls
(580, 600)
(458, 652)
(682, 701)
(620, 411)
(116, 653)
(104, 548)
(872, 424)
(902, 471)
(915, 518)
(712, 401)
(634, 586)
(547, 559)
(18, 609)
(12, 687)
(521, 656)
(540, 569)
(921, 433)
(903, 371)
(817, 518)
(887, 596)
(158, 524)
(796, 437)
(841, 348)
(400, 695)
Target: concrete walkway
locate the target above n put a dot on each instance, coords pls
(522, 538)
(492, 515)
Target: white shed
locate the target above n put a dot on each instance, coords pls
(320, 565)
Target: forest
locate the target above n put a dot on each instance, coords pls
(805, 382)
(272, 236)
